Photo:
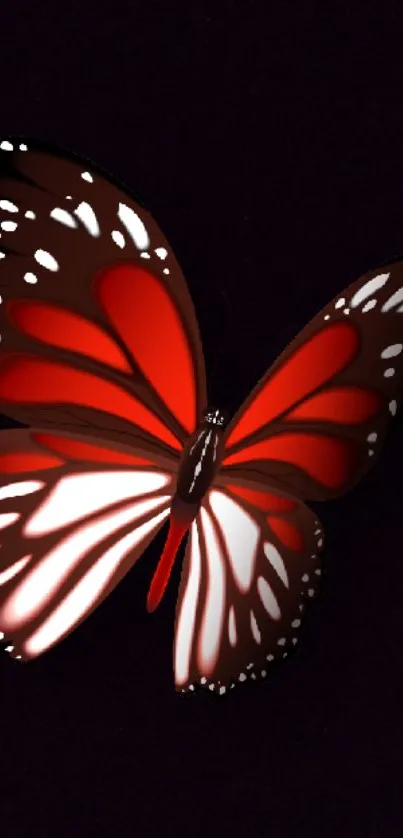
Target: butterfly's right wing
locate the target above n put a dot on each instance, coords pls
(251, 564)
(75, 515)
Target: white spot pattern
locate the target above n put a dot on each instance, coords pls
(369, 289)
(134, 226)
(46, 260)
(88, 218)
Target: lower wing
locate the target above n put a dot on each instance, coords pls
(251, 564)
(75, 515)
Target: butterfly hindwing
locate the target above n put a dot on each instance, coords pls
(251, 564)
(75, 515)
(316, 421)
(96, 320)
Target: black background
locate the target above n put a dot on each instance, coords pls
(267, 140)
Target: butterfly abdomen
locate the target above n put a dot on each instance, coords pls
(200, 462)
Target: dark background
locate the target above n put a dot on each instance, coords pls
(267, 140)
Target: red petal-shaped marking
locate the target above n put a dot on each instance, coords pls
(286, 532)
(314, 363)
(34, 381)
(74, 450)
(142, 312)
(327, 459)
(67, 330)
(263, 500)
(23, 461)
(346, 405)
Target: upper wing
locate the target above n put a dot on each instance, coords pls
(315, 422)
(75, 515)
(96, 320)
(250, 565)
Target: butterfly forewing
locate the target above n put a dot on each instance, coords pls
(251, 564)
(315, 422)
(76, 514)
(96, 320)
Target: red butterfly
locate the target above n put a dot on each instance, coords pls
(101, 358)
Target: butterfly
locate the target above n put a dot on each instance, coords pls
(101, 363)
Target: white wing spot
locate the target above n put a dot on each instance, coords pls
(369, 288)
(369, 305)
(118, 238)
(241, 536)
(242, 676)
(134, 226)
(394, 300)
(30, 278)
(12, 571)
(46, 260)
(17, 490)
(145, 255)
(340, 303)
(370, 453)
(232, 627)
(281, 641)
(7, 518)
(30, 214)
(276, 561)
(346, 311)
(6, 146)
(255, 628)
(393, 407)
(23, 147)
(88, 218)
(211, 628)
(161, 252)
(392, 350)
(268, 599)
(8, 206)
(187, 615)
(296, 623)
(63, 217)
(87, 176)
(389, 372)
(9, 226)
(327, 317)
(165, 271)
(372, 437)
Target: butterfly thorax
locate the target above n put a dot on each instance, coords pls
(201, 459)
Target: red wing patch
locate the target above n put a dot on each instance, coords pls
(36, 381)
(146, 319)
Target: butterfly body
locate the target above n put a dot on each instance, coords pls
(116, 441)
(200, 462)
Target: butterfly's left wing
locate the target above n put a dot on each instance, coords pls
(251, 564)
(97, 324)
(75, 515)
(316, 421)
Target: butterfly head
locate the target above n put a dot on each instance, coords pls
(218, 418)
